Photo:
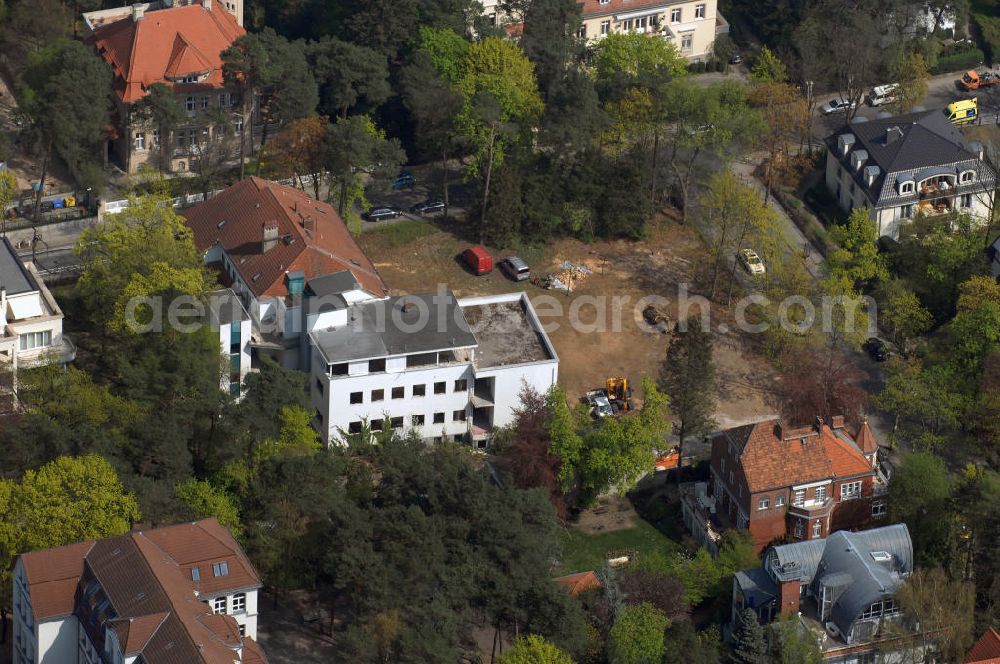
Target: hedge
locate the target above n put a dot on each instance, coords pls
(959, 61)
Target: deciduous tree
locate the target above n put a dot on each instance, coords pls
(637, 635)
(533, 649)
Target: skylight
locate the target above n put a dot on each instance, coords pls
(220, 569)
(195, 574)
(881, 556)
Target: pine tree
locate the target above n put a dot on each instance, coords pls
(688, 377)
(749, 646)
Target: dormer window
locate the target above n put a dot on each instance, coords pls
(967, 177)
(190, 78)
(906, 187)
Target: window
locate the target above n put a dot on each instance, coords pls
(238, 126)
(581, 32)
(820, 493)
(878, 508)
(190, 78)
(354, 427)
(687, 42)
(220, 569)
(675, 15)
(779, 500)
(438, 418)
(884, 608)
(850, 490)
(319, 386)
(339, 369)
(640, 24)
(417, 420)
(605, 27)
(396, 423)
(458, 416)
(906, 188)
(906, 211)
(189, 103)
(223, 99)
(140, 141)
(627, 25)
(156, 138)
(376, 366)
(31, 340)
(357, 397)
(243, 630)
(800, 497)
(376, 425)
(239, 602)
(817, 529)
(966, 200)
(399, 393)
(440, 388)
(763, 503)
(419, 390)
(378, 395)
(967, 176)
(219, 605)
(195, 574)
(461, 385)
(699, 11)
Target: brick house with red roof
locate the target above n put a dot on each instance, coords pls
(178, 43)
(796, 483)
(184, 594)
(268, 242)
(986, 650)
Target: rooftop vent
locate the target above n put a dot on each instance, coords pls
(221, 224)
(881, 556)
(893, 134)
(255, 277)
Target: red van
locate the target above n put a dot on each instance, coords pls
(478, 260)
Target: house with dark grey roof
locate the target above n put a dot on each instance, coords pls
(841, 589)
(903, 166)
(30, 319)
(446, 368)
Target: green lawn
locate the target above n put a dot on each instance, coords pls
(582, 552)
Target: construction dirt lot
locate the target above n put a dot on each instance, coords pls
(421, 257)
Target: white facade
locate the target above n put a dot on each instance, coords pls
(30, 319)
(51, 641)
(232, 323)
(241, 605)
(456, 392)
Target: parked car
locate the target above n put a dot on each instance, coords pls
(837, 105)
(478, 260)
(735, 58)
(751, 261)
(600, 406)
(875, 347)
(515, 268)
(404, 180)
(428, 207)
(381, 213)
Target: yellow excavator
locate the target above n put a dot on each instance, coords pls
(619, 393)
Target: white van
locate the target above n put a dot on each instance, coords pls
(882, 94)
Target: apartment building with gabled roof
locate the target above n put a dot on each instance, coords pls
(184, 594)
(266, 240)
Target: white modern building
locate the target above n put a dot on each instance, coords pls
(230, 319)
(184, 593)
(450, 369)
(30, 319)
(908, 165)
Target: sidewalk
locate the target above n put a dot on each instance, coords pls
(795, 240)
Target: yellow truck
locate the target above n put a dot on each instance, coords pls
(963, 111)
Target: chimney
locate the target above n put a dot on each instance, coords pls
(207, 4)
(137, 12)
(836, 421)
(789, 598)
(818, 423)
(893, 134)
(269, 237)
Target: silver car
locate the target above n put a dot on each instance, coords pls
(515, 268)
(837, 105)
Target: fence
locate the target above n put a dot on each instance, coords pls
(187, 200)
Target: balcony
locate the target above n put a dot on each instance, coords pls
(721, 25)
(942, 186)
(811, 509)
(62, 352)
